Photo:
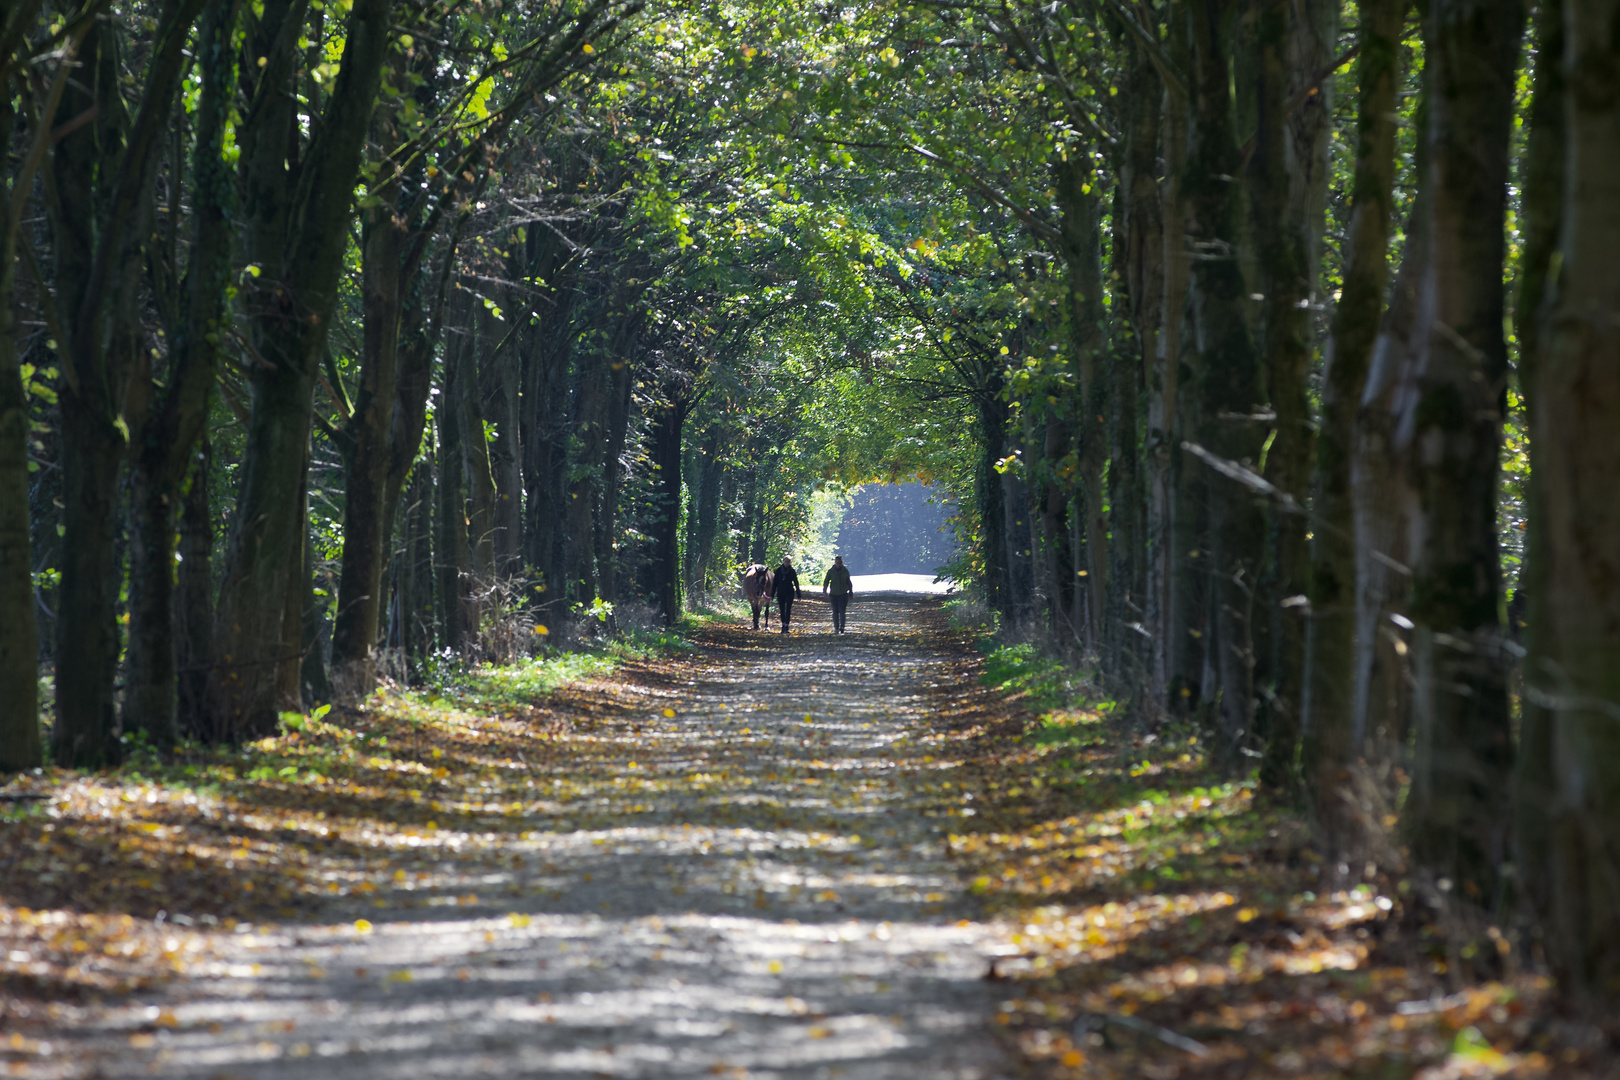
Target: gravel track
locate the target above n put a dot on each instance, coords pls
(755, 886)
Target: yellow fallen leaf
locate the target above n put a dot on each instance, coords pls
(819, 1032)
(363, 925)
(669, 712)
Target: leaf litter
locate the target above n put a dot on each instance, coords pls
(1125, 909)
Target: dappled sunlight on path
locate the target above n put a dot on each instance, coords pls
(739, 870)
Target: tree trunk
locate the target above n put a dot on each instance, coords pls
(194, 613)
(296, 230)
(1449, 424)
(992, 505)
(621, 384)
(1082, 254)
(1143, 280)
(1328, 749)
(1287, 186)
(20, 743)
(366, 534)
(666, 510)
(164, 440)
(1541, 216)
(1575, 615)
(1230, 391)
(498, 388)
(454, 560)
(475, 454)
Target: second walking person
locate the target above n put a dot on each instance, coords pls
(787, 590)
(837, 580)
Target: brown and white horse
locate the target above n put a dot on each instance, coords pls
(758, 584)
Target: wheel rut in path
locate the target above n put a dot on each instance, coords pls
(753, 886)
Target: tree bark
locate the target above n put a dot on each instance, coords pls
(498, 388)
(1327, 750)
(1144, 282)
(1541, 215)
(20, 743)
(1575, 615)
(296, 230)
(194, 614)
(668, 421)
(1449, 424)
(366, 534)
(1287, 187)
(105, 176)
(1082, 255)
(1230, 391)
(164, 440)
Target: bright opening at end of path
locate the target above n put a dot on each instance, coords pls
(897, 538)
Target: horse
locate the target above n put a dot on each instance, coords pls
(758, 583)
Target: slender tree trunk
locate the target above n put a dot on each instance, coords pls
(164, 440)
(992, 504)
(1053, 500)
(20, 744)
(298, 232)
(91, 403)
(1145, 283)
(666, 460)
(585, 479)
(1328, 749)
(1575, 613)
(498, 382)
(1230, 379)
(1082, 250)
(195, 599)
(475, 456)
(1541, 217)
(1287, 185)
(365, 531)
(1449, 420)
(621, 385)
(454, 561)
(290, 660)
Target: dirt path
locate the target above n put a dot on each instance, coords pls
(738, 873)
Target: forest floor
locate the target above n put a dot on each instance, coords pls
(878, 855)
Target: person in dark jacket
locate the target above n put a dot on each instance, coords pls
(838, 581)
(786, 589)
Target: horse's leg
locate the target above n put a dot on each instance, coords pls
(755, 605)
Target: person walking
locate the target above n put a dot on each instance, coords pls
(786, 589)
(837, 580)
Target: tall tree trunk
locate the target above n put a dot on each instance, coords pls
(452, 558)
(1449, 419)
(297, 231)
(475, 452)
(1053, 500)
(621, 385)
(498, 383)
(1328, 750)
(366, 534)
(1230, 391)
(1575, 614)
(1144, 282)
(1287, 186)
(164, 440)
(1082, 254)
(585, 479)
(666, 461)
(992, 503)
(194, 609)
(91, 405)
(20, 744)
(1541, 218)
